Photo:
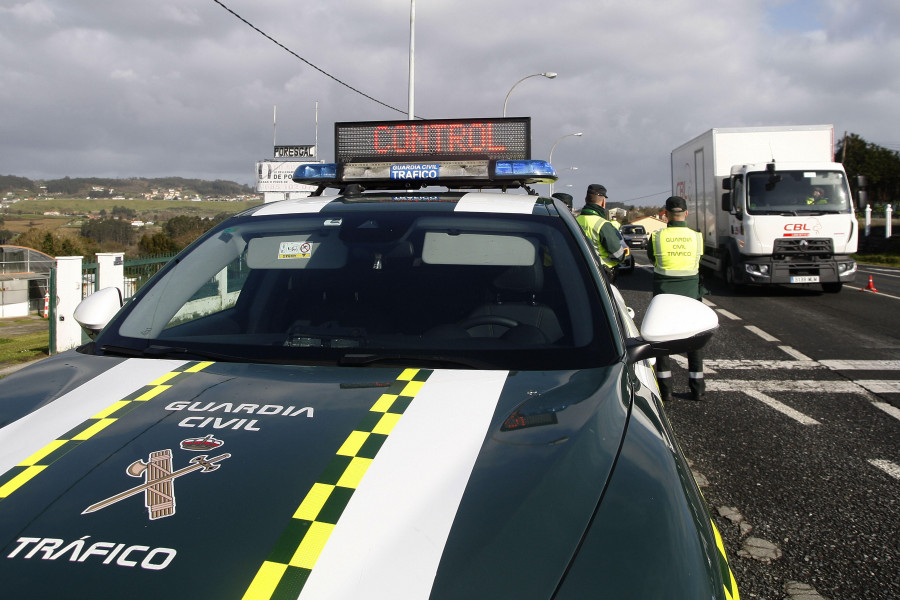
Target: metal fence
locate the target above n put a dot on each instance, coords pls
(139, 271)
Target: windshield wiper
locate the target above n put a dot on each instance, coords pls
(363, 360)
(168, 352)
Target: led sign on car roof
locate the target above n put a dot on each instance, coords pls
(462, 153)
(453, 139)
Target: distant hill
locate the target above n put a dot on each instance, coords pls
(82, 186)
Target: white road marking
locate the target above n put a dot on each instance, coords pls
(887, 466)
(862, 365)
(683, 363)
(795, 353)
(871, 292)
(813, 386)
(782, 408)
(767, 365)
(761, 333)
(889, 409)
(725, 313)
(880, 386)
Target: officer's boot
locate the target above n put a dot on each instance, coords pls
(664, 378)
(695, 376)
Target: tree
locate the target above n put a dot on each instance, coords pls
(156, 244)
(880, 166)
(109, 230)
(55, 245)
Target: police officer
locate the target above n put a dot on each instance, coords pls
(594, 220)
(566, 198)
(675, 254)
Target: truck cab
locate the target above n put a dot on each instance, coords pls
(789, 224)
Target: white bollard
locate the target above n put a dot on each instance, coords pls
(868, 219)
(888, 212)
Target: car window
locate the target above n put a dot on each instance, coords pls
(311, 287)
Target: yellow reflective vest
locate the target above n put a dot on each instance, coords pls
(677, 251)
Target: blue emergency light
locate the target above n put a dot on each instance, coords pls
(524, 168)
(316, 172)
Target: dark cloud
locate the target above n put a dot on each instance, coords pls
(98, 88)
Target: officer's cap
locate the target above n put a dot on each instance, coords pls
(676, 204)
(597, 190)
(566, 198)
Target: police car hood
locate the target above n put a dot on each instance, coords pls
(152, 478)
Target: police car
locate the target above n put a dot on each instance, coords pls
(414, 384)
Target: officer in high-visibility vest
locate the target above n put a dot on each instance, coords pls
(675, 254)
(594, 220)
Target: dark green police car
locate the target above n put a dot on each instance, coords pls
(389, 392)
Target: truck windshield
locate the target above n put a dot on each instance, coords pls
(797, 192)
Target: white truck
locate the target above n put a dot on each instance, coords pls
(771, 204)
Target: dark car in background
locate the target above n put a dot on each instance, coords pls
(635, 236)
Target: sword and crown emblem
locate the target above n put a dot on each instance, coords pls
(159, 478)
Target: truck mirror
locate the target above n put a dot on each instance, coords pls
(726, 202)
(726, 183)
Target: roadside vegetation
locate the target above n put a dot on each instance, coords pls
(140, 217)
(24, 347)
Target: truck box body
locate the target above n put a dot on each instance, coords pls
(752, 193)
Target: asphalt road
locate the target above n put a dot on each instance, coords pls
(797, 447)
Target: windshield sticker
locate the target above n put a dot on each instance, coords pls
(159, 482)
(290, 250)
(29, 468)
(82, 550)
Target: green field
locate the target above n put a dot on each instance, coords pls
(25, 347)
(76, 206)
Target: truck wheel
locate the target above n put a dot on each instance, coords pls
(728, 275)
(832, 287)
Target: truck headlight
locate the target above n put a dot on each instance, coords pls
(757, 270)
(847, 268)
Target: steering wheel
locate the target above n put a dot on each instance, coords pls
(475, 321)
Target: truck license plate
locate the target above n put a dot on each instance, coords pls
(805, 279)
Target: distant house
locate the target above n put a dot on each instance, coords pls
(652, 223)
(137, 223)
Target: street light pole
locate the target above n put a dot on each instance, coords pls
(548, 75)
(553, 147)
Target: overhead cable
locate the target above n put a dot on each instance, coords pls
(282, 46)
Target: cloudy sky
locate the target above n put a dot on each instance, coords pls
(100, 88)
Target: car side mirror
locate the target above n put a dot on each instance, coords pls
(95, 311)
(672, 325)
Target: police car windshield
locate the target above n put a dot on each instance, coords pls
(365, 280)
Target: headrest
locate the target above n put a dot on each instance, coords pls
(522, 279)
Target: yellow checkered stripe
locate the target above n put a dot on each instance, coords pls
(286, 569)
(728, 580)
(32, 466)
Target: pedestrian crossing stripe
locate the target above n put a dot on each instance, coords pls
(32, 466)
(290, 562)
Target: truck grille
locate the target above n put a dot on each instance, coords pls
(804, 246)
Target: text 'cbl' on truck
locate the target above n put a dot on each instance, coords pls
(771, 203)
